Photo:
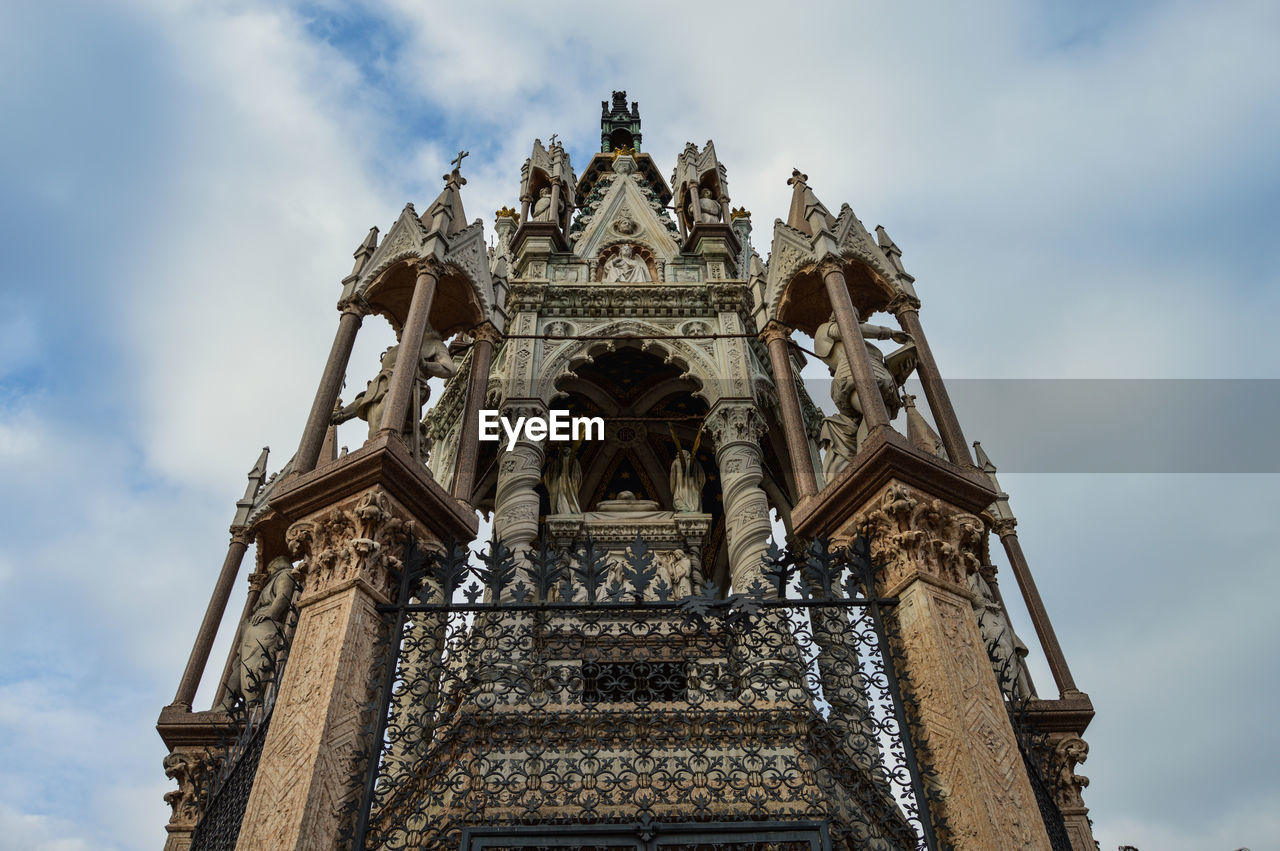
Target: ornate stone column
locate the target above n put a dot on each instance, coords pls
(335, 370)
(907, 309)
(349, 556)
(212, 618)
(855, 348)
(736, 427)
(776, 337)
(415, 327)
(515, 509)
(485, 336)
(349, 524)
(962, 727)
(191, 769)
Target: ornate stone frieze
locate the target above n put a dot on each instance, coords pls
(359, 541)
(913, 533)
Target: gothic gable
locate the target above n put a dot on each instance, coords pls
(625, 211)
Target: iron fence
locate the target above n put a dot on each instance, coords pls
(573, 700)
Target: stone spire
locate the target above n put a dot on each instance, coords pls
(807, 214)
(891, 251)
(257, 476)
(365, 251)
(919, 432)
(1000, 509)
(445, 213)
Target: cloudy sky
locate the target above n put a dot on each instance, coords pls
(1083, 190)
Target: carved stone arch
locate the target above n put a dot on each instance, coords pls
(638, 249)
(691, 360)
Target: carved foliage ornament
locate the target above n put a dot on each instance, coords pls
(913, 533)
(735, 424)
(192, 772)
(359, 541)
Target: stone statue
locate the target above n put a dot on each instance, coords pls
(1008, 653)
(675, 568)
(542, 211)
(843, 433)
(687, 477)
(563, 480)
(625, 267)
(434, 362)
(890, 373)
(705, 210)
(262, 637)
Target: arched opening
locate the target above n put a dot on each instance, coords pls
(621, 138)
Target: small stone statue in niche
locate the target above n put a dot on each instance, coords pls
(624, 267)
(542, 211)
(705, 210)
(563, 480)
(687, 476)
(434, 362)
(262, 637)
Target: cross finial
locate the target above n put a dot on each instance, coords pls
(553, 138)
(457, 161)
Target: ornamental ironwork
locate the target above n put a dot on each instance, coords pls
(549, 699)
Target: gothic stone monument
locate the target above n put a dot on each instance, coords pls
(615, 295)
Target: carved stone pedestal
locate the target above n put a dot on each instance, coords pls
(351, 521)
(921, 513)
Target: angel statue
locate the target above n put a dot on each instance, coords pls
(563, 480)
(687, 476)
(844, 432)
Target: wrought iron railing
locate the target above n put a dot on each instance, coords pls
(560, 694)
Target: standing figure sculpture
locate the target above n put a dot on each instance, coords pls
(687, 477)
(262, 637)
(624, 267)
(675, 570)
(434, 361)
(563, 480)
(703, 209)
(845, 432)
(1008, 653)
(542, 211)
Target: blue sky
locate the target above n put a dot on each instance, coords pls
(1082, 191)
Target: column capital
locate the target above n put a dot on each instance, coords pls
(242, 535)
(775, 330)
(738, 421)
(902, 302)
(1005, 526)
(355, 304)
(429, 266)
(486, 331)
(830, 264)
(355, 543)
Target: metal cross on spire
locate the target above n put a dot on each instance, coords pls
(553, 138)
(457, 161)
